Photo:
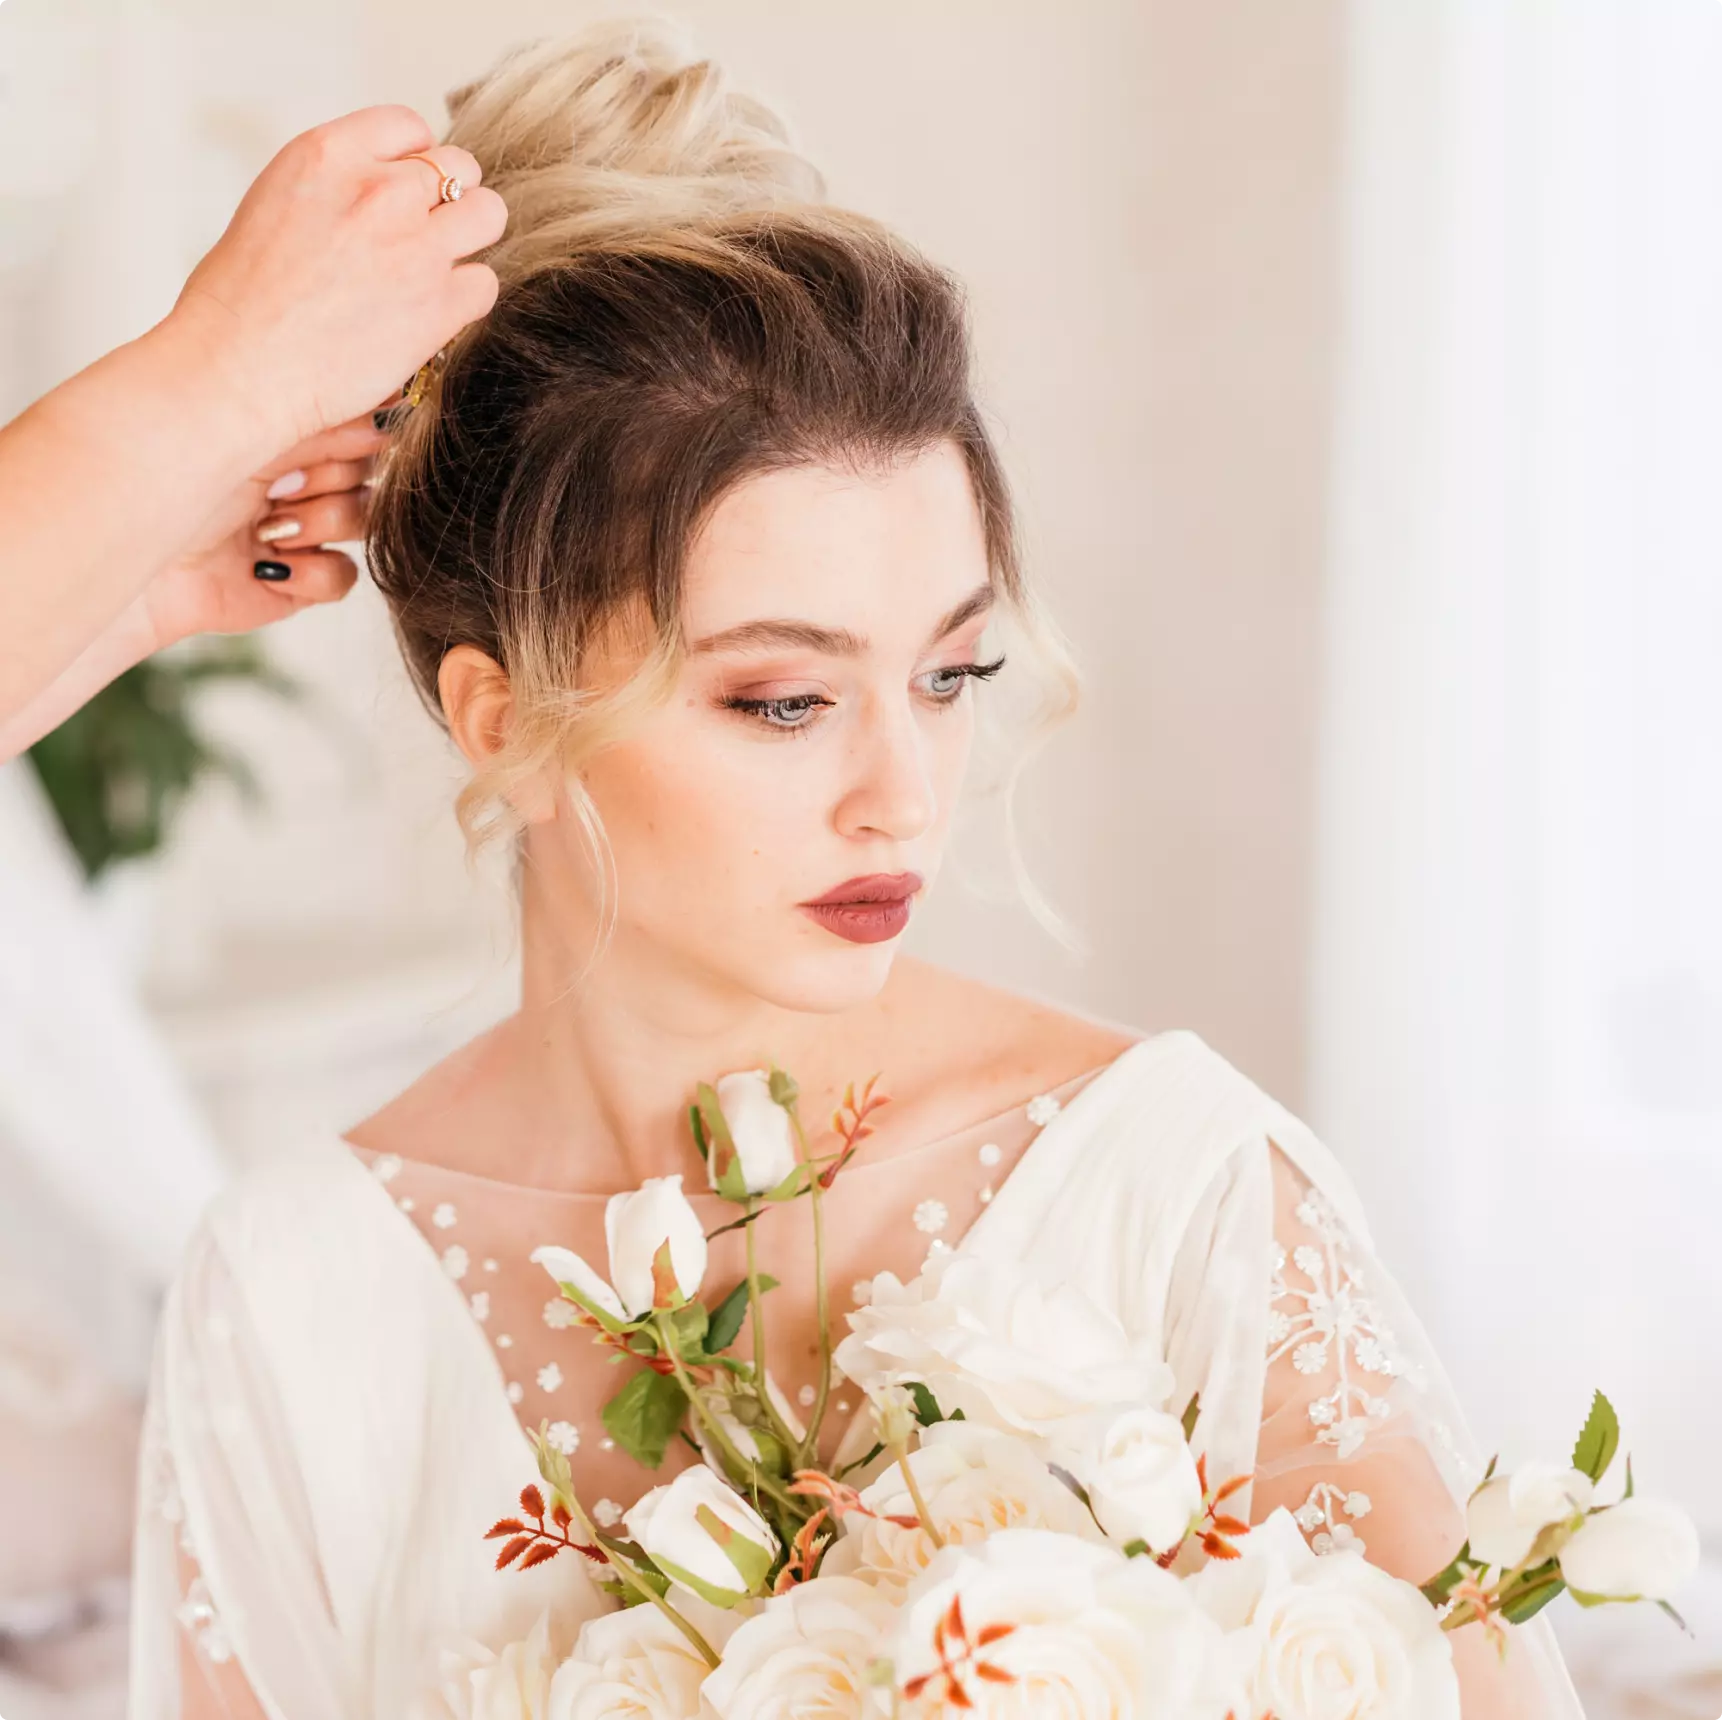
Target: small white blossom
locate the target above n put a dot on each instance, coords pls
(549, 1377)
(991, 1153)
(386, 1167)
(931, 1216)
(607, 1513)
(1042, 1109)
(406, 1203)
(516, 1391)
(560, 1314)
(860, 1290)
(504, 1342)
(454, 1261)
(443, 1218)
(562, 1436)
(1309, 1358)
(481, 1306)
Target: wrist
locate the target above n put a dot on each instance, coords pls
(202, 350)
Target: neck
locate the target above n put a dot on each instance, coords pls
(605, 1066)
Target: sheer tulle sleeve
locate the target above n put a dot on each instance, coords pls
(230, 1617)
(1358, 1434)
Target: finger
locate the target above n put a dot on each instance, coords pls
(297, 524)
(427, 167)
(328, 477)
(312, 576)
(358, 439)
(387, 131)
(476, 221)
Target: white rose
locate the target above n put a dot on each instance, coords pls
(1506, 1515)
(510, 1683)
(634, 1665)
(1330, 1638)
(637, 1226)
(760, 1129)
(704, 1535)
(805, 1656)
(572, 1273)
(1640, 1549)
(985, 1337)
(1141, 1478)
(1034, 1623)
(976, 1481)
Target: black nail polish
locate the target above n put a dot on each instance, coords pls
(382, 418)
(271, 570)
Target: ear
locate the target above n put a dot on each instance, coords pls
(473, 689)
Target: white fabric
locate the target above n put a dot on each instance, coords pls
(340, 1438)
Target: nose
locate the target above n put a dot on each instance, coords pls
(891, 790)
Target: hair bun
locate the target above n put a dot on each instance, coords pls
(619, 128)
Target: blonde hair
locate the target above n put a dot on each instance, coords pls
(679, 310)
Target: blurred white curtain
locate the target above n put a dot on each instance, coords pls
(1517, 1021)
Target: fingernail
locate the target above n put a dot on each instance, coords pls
(271, 570)
(275, 530)
(288, 484)
(383, 417)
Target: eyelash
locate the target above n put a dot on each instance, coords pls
(764, 711)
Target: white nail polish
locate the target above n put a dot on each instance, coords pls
(288, 484)
(275, 530)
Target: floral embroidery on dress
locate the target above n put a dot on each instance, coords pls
(1042, 1109)
(1327, 1514)
(1333, 1324)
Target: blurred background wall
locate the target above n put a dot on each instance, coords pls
(1354, 367)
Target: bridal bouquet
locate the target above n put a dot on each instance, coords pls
(1024, 1530)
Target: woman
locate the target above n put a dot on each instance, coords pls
(697, 549)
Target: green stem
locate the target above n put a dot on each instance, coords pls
(756, 1309)
(743, 1467)
(900, 1451)
(639, 1585)
(822, 1303)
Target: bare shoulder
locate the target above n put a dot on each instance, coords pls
(432, 1119)
(966, 1050)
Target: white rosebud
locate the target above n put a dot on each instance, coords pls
(760, 1129)
(704, 1535)
(1141, 1479)
(566, 1267)
(1640, 1549)
(637, 1226)
(1506, 1515)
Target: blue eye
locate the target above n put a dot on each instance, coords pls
(788, 714)
(946, 684)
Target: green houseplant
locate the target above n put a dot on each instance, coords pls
(117, 771)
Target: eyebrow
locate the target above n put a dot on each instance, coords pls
(830, 641)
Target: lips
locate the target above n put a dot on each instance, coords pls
(866, 910)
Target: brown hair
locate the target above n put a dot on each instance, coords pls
(677, 313)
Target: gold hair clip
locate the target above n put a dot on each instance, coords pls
(423, 377)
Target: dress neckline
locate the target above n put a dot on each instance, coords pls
(862, 1165)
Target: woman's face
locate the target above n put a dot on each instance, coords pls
(817, 735)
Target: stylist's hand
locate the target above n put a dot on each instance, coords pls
(340, 273)
(231, 579)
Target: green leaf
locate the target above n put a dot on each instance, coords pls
(1628, 1493)
(752, 1561)
(1531, 1600)
(927, 1409)
(1663, 1606)
(1439, 1586)
(724, 1161)
(1589, 1600)
(1191, 1411)
(724, 1598)
(1599, 1441)
(1137, 1549)
(727, 1317)
(690, 1323)
(698, 1128)
(644, 1415)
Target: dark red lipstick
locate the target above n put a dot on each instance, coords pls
(866, 910)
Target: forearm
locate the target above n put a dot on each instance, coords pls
(102, 481)
(125, 642)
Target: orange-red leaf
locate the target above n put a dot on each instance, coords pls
(512, 1551)
(560, 1516)
(505, 1526)
(532, 1502)
(1227, 1489)
(1231, 1526)
(542, 1554)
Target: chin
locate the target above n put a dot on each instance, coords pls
(831, 981)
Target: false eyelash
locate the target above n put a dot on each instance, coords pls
(760, 707)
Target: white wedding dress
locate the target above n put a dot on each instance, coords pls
(330, 1432)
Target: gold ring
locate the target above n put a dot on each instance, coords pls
(448, 188)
